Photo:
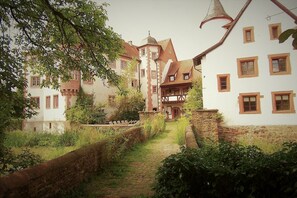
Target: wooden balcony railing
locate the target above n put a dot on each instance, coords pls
(173, 98)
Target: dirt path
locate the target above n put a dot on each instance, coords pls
(134, 175)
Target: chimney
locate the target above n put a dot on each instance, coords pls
(130, 43)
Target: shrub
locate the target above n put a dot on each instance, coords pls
(182, 124)
(68, 138)
(227, 170)
(153, 127)
(158, 124)
(10, 162)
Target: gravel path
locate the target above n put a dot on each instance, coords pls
(140, 174)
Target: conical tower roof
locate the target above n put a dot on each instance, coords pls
(149, 40)
(216, 11)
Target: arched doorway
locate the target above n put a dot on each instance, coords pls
(176, 112)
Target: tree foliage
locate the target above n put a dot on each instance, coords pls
(129, 101)
(85, 111)
(52, 38)
(286, 34)
(194, 99)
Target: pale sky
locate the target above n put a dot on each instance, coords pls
(175, 19)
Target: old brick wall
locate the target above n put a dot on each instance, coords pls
(50, 178)
(273, 134)
(206, 124)
(208, 127)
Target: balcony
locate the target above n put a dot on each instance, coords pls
(70, 88)
(167, 99)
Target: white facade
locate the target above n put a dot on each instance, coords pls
(223, 60)
(50, 118)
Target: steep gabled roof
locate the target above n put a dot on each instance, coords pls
(167, 51)
(197, 59)
(230, 26)
(179, 69)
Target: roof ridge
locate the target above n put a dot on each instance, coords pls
(197, 59)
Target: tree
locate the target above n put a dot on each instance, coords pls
(286, 34)
(129, 101)
(53, 37)
(85, 111)
(194, 99)
(57, 37)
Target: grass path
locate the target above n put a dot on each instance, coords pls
(134, 174)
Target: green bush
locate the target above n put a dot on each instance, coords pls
(182, 123)
(10, 162)
(227, 170)
(68, 138)
(153, 127)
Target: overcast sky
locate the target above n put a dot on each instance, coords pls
(175, 19)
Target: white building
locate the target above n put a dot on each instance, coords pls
(248, 75)
(151, 57)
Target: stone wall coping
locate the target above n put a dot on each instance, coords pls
(207, 110)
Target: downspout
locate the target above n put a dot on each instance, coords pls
(285, 9)
(157, 72)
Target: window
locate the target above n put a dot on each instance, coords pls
(248, 35)
(171, 78)
(249, 103)
(142, 73)
(47, 102)
(154, 55)
(123, 64)
(56, 101)
(35, 81)
(282, 102)
(223, 82)
(154, 74)
(113, 65)
(247, 67)
(275, 31)
(36, 102)
(279, 64)
(111, 100)
(154, 88)
(186, 76)
(142, 51)
(134, 83)
(75, 75)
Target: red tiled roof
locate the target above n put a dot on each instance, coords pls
(130, 51)
(179, 69)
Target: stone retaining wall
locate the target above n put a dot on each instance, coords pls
(190, 138)
(208, 127)
(144, 115)
(61, 174)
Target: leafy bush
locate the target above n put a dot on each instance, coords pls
(153, 127)
(10, 162)
(29, 139)
(227, 170)
(67, 139)
(158, 124)
(85, 111)
(182, 124)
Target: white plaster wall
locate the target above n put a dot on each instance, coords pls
(223, 60)
(143, 80)
(45, 115)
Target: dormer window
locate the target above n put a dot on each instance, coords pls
(186, 76)
(171, 78)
